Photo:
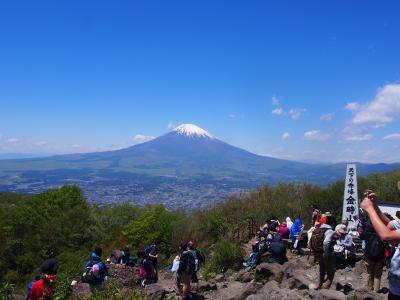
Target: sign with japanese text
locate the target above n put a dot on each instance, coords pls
(350, 201)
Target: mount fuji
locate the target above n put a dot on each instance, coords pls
(186, 168)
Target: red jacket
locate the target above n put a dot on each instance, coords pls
(37, 291)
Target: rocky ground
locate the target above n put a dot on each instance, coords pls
(296, 279)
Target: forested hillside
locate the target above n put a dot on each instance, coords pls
(61, 219)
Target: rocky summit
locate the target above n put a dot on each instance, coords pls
(296, 279)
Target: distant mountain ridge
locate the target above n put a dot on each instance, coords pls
(185, 168)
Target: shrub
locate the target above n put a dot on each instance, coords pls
(227, 255)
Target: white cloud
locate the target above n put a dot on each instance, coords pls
(385, 108)
(295, 113)
(275, 101)
(285, 136)
(12, 140)
(75, 146)
(171, 126)
(41, 143)
(392, 137)
(316, 135)
(278, 111)
(359, 138)
(353, 106)
(327, 117)
(140, 138)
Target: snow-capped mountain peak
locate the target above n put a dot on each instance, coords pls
(192, 130)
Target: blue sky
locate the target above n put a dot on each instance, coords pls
(307, 80)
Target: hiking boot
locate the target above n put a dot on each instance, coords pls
(327, 284)
(377, 284)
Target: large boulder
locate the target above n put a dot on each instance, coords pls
(325, 294)
(125, 276)
(270, 271)
(80, 290)
(155, 291)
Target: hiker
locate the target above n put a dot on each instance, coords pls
(289, 222)
(277, 251)
(198, 258)
(49, 266)
(295, 233)
(187, 267)
(374, 256)
(152, 252)
(344, 249)
(125, 258)
(284, 231)
(273, 224)
(255, 249)
(315, 215)
(310, 232)
(387, 231)
(44, 288)
(95, 272)
(322, 240)
(146, 269)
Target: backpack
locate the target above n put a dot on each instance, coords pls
(29, 288)
(272, 225)
(187, 263)
(317, 240)
(375, 249)
(91, 272)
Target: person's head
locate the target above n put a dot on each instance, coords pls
(190, 244)
(126, 250)
(157, 242)
(317, 224)
(398, 214)
(341, 229)
(98, 251)
(329, 220)
(273, 217)
(315, 207)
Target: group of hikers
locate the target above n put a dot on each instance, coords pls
(374, 236)
(334, 245)
(95, 272)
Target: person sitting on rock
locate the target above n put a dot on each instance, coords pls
(284, 231)
(277, 251)
(126, 259)
(344, 249)
(295, 233)
(252, 262)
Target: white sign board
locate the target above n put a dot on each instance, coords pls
(350, 201)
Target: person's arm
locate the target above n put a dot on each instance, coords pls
(327, 240)
(379, 223)
(371, 195)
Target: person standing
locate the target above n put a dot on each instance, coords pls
(152, 251)
(322, 240)
(387, 230)
(374, 255)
